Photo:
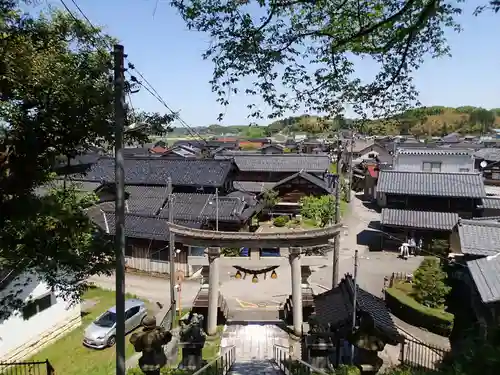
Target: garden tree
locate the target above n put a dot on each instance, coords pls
(158, 124)
(270, 199)
(429, 285)
(56, 100)
(255, 132)
(320, 209)
(310, 47)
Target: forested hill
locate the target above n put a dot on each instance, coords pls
(425, 121)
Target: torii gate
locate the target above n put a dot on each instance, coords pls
(294, 241)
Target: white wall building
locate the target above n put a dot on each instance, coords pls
(44, 318)
(434, 160)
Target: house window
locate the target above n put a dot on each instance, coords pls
(431, 166)
(34, 307)
(465, 170)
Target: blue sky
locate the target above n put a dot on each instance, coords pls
(169, 56)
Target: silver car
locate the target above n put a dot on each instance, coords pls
(101, 333)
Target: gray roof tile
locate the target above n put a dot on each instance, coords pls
(202, 207)
(467, 185)
(308, 177)
(419, 219)
(479, 237)
(492, 203)
(490, 154)
(145, 226)
(280, 162)
(334, 308)
(253, 186)
(156, 170)
(486, 275)
(434, 151)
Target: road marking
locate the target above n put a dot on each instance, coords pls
(245, 304)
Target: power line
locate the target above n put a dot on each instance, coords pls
(151, 89)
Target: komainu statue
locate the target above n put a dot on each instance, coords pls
(150, 342)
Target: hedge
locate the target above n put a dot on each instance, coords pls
(414, 313)
(281, 221)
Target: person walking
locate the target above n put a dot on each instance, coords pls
(150, 342)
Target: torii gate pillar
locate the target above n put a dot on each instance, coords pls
(295, 265)
(213, 289)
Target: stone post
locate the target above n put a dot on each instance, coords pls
(213, 289)
(296, 289)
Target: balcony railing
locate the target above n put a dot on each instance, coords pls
(290, 365)
(27, 368)
(221, 365)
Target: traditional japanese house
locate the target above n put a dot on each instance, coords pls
(433, 160)
(333, 313)
(427, 204)
(475, 279)
(188, 175)
(147, 215)
(487, 160)
(366, 150)
(274, 168)
(273, 148)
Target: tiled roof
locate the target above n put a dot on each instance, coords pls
(486, 275)
(308, 177)
(479, 237)
(253, 186)
(490, 154)
(419, 219)
(281, 162)
(145, 226)
(155, 171)
(202, 207)
(433, 151)
(467, 185)
(492, 203)
(334, 308)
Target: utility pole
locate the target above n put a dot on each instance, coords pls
(171, 246)
(216, 209)
(348, 197)
(355, 298)
(119, 94)
(336, 243)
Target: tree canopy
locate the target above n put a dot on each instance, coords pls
(57, 100)
(311, 48)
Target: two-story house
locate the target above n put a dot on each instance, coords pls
(433, 160)
(427, 191)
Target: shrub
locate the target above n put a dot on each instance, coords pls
(429, 286)
(414, 313)
(280, 221)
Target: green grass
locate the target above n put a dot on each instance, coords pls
(333, 168)
(68, 355)
(404, 293)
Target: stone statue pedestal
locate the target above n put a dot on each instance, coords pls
(192, 356)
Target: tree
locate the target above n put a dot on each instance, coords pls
(158, 124)
(482, 117)
(429, 286)
(310, 48)
(270, 199)
(320, 209)
(56, 100)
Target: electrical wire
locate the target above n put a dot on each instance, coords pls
(151, 89)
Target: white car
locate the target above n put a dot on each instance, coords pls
(102, 332)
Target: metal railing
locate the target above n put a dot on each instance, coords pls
(290, 365)
(27, 368)
(420, 355)
(221, 365)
